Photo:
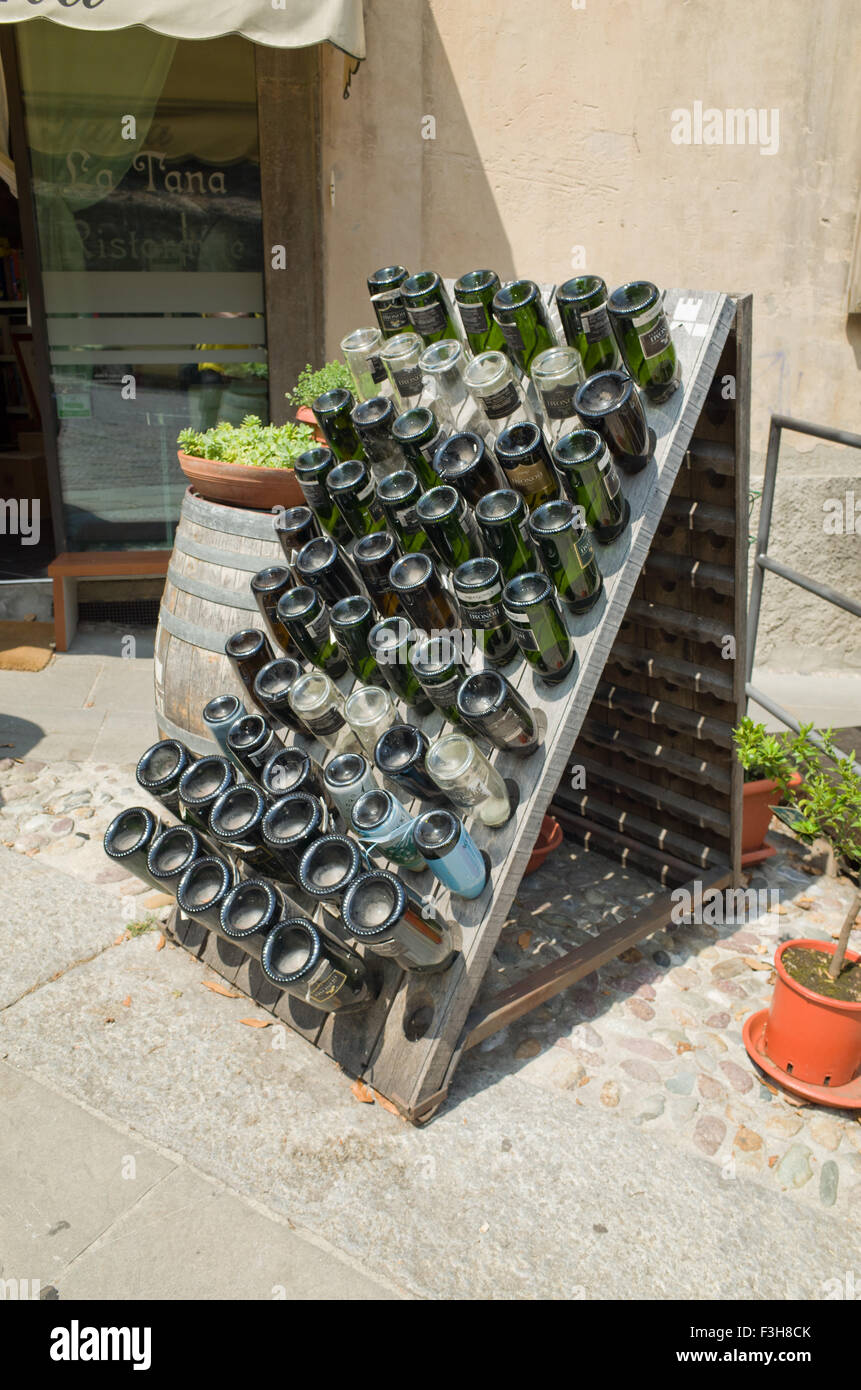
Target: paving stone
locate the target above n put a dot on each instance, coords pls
(645, 1047)
(727, 968)
(747, 1139)
(709, 1134)
(794, 1168)
(825, 1131)
(640, 1009)
(829, 1179)
(784, 1124)
(682, 1084)
(63, 826)
(640, 1070)
(651, 1109)
(609, 1095)
(710, 1089)
(738, 1078)
(661, 958)
(683, 1108)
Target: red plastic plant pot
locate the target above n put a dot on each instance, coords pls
(306, 416)
(549, 839)
(809, 1037)
(759, 797)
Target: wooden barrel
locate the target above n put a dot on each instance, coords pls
(207, 596)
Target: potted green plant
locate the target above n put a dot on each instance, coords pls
(770, 769)
(312, 384)
(247, 465)
(827, 805)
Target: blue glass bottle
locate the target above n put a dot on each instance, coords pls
(452, 855)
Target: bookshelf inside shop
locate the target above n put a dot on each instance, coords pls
(646, 710)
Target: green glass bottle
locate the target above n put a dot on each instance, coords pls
(398, 495)
(501, 515)
(416, 581)
(521, 314)
(352, 620)
(390, 643)
(473, 295)
(436, 661)
(373, 557)
(419, 435)
(352, 490)
(582, 305)
(428, 307)
(567, 554)
(449, 525)
(643, 334)
(478, 586)
(592, 482)
(384, 287)
(306, 617)
(532, 608)
(333, 412)
(522, 455)
(312, 469)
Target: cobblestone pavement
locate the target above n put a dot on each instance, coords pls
(653, 1038)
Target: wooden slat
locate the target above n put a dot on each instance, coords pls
(697, 574)
(659, 712)
(652, 752)
(115, 563)
(675, 620)
(660, 865)
(638, 828)
(700, 516)
(685, 807)
(712, 454)
(674, 671)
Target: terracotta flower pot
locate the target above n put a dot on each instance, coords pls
(811, 1038)
(549, 839)
(759, 797)
(306, 416)
(241, 486)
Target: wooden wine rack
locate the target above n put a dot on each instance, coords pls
(650, 706)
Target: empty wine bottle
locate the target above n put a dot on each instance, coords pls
(608, 403)
(419, 436)
(384, 287)
(495, 710)
(351, 487)
(373, 420)
(474, 294)
(643, 334)
(533, 610)
(556, 375)
(129, 838)
(383, 824)
(501, 516)
(582, 305)
(272, 690)
(567, 554)
(160, 770)
(419, 588)
(470, 782)
(369, 712)
(591, 480)
(294, 527)
(320, 705)
(267, 586)
(321, 565)
(330, 865)
(492, 382)
(463, 462)
(236, 823)
(332, 412)
(373, 557)
(290, 826)
(381, 913)
(478, 586)
(305, 962)
(400, 754)
(293, 770)
(437, 663)
(352, 620)
(450, 853)
(218, 715)
(391, 642)
(248, 651)
(312, 469)
(442, 366)
(361, 350)
(172, 852)
(522, 455)
(250, 910)
(398, 495)
(253, 740)
(449, 525)
(347, 776)
(428, 307)
(306, 618)
(400, 357)
(521, 314)
(203, 888)
(200, 787)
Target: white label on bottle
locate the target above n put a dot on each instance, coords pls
(596, 323)
(656, 339)
(610, 473)
(512, 335)
(318, 628)
(428, 450)
(427, 318)
(501, 403)
(324, 982)
(475, 318)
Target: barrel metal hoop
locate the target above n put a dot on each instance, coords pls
(212, 593)
(233, 521)
(196, 742)
(230, 559)
(205, 637)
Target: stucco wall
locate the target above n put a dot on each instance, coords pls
(553, 130)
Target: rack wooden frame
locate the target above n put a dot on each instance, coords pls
(660, 670)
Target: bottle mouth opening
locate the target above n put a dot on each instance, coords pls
(292, 818)
(579, 287)
(129, 830)
(482, 692)
(295, 603)
(237, 809)
(438, 503)
(577, 447)
(555, 362)
(441, 356)
(277, 677)
(634, 297)
(552, 516)
(367, 704)
(602, 393)
(249, 904)
(402, 345)
(204, 884)
(413, 423)
(271, 578)
(387, 636)
(311, 691)
(435, 829)
(372, 412)
(386, 274)
(316, 554)
(171, 851)
(373, 902)
(434, 654)
(244, 643)
(291, 949)
(486, 368)
(398, 748)
(332, 402)
(160, 762)
(450, 755)
(247, 731)
(349, 612)
(346, 475)
(397, 486)
(371, 810)
(285, 769)
(344, 769)
(516, 294)
(526, 590)
(328, 864)
(420, 283)
(360, 339)
(293, 519)
(519, 439)
(313, 460)
(476, 280)
(411, 571)
(459, 452)
(477, 573)
(222, 708)
(374, 547)
(498, 506)
(205, 780)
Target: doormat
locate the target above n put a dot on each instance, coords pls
(25, 645)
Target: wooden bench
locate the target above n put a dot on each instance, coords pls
(70, 566)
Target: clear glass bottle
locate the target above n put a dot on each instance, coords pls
(449, 525)
(562, 538)
(361, 350)
(643, 333)
(442, 365)
(400, 357)
(524, 459)
(556, 374)
(428, 307)
(470, 782)
(592, 482)
(384, 287)
(419, 435)
(533, 610)
(320, 705)
(332, 411)
(369, 712)
(473, 295)
(522, 315)
(491, 381)
(305, 962)
(582, 305)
